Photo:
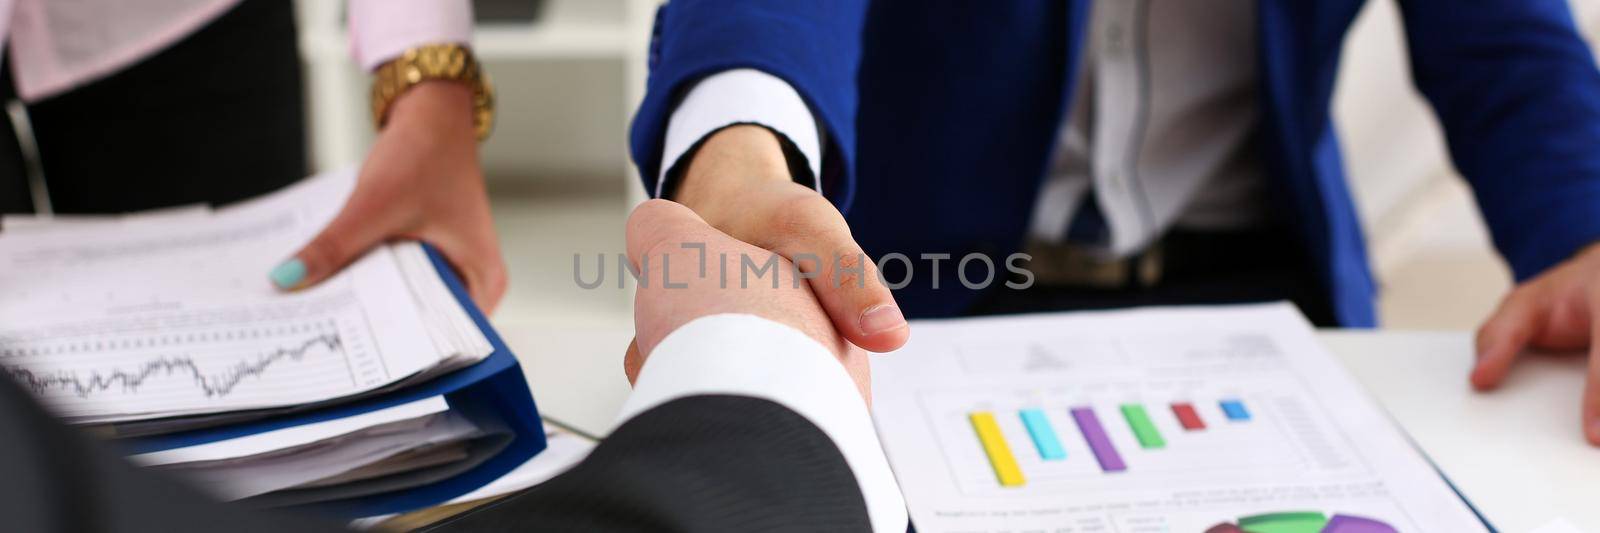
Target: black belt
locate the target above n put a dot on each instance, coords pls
(1178, 255)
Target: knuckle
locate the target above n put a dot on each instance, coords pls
(650, 224)
(805, 216)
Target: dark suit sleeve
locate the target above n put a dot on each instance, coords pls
(57, 480)
(814, 45)
(702, 463)
(1516, 89)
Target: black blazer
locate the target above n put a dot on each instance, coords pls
(702, 463)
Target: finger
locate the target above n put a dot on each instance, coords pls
(360, 225)
(813, 235)
(1504, 336)
(632, 362)
(1591, 389)
(1591, 398)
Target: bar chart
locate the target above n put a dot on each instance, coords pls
(1133, 435)
(1148, 421)
(1041, 434)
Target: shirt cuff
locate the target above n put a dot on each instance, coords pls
(741, 96)
(747, 355)
(381, 30)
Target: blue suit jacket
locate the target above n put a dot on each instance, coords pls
(941, 116)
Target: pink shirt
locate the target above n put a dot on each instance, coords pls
(55, 45)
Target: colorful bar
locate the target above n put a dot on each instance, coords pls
(1235, 410)
(1143, 429)
(1291, 522)
(1095, 435)
(1044, 435)
(994, 444)
(1188, 417)
(1356, 524)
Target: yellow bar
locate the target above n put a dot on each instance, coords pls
(994, 444)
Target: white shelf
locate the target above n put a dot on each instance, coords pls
(552, 40)
(492, 42)
(556, 78)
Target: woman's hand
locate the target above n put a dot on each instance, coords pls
(422, 180)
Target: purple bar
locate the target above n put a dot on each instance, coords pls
(1095, 434)
(1356, 524)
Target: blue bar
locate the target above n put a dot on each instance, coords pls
(1235, 410)
(1044, 436)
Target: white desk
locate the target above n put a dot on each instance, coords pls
(1518, 454)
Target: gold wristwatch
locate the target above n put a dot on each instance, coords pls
(451, 62)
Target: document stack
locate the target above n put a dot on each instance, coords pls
(380, 390)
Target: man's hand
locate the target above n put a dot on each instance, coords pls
(420, 181)
(666, 241)
(739, 182)
(1558, 310)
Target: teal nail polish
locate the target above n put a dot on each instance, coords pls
(288, 273)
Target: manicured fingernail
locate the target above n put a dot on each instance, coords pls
(288, 273)
(1594, 431)
(882, 318)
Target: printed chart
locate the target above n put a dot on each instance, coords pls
(1085, 436)
(197, 361)
(1146, 421)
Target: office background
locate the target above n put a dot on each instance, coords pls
(561, 183)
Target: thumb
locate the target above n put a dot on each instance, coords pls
(817, 239)
(862, 308)
(354, 231)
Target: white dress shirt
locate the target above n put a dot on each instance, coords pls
(1162, 128)
(747, 355)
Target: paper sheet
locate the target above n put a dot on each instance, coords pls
(171, 313)
(1145, 421)
(291, 437)
(565, 450)
(241, 478)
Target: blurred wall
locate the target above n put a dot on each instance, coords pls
(1429, 247)
(1395, 152)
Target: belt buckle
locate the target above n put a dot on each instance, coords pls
(1068, 265)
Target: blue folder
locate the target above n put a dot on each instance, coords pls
(495, 386)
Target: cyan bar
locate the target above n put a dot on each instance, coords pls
(1099, 443)
(1044, 436)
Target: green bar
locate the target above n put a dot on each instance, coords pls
(1145, 431)
(1292, 522)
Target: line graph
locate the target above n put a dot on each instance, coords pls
(194, 363)
(213, 384)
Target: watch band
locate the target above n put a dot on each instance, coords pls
(448, 61)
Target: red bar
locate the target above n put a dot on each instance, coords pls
(1188, 417)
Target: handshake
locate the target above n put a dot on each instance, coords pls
(688, 270)
(780, 252)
